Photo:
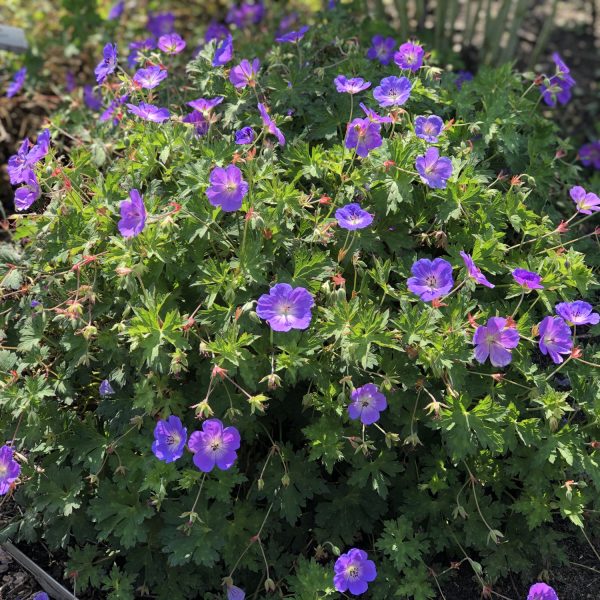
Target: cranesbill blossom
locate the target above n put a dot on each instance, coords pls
(105, 389)
(160, 23)
(558, 87)
(116, 10)
(40, 596)
(171, 43)
(170, 437)
(352, 85)
(137, 48)
(366, 402)
(205, 105)
(227, 188)
(150, 77)
(527, 279)
(70, 82)
(353, 572)
(429, 128)
(409, 56)
(92, 99)
(474, 271)
(382, 49)
(214, 446)
(292, 36)
(373, 116)
(541, 591)
(555, 338)
(577, 313)
(352, 216)
(363, 135)
(235, 593)
(246, 14)
(496, 341)
(435, 170)
(17, 83)
(392, 91)
(9, 469)
(287, 22)
(111, 110)
(215, 31)
(133, 215)
(587, 202)
(245, 73)
(199, 121)
(431, 278)
(108, 64)
(590, 155)
(463, 77)
(285, 307)
(21, 164)
(270, 124)
(28, 193)
(223, 52)
(149, 112)
(246, 135)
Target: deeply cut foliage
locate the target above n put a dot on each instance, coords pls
(469, 460)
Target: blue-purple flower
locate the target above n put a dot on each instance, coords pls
(149, 112)
(10, 469)
(205, 105)
(495, 340)
(586, 202)
(199, 121)
(463, 77)
(28, 193)
(392, 91)
(160, 23)
(246, 14)
(20, 165)
(292, 36)
(116, 10)
(373, 116)
(353, 85)
(170, 437)
(285, 307)
(92, 99)
(270, 124)
(215, 31)
(589, 155)
(246, 135)
(105, 389)
(223, 52)
(133, 215)
(409, 56)
(429, 128)
(555, 338)
(474, 271)
(136, 49)
(382, 49)
(150, 77)
(363, 135)
(171, 43)
(353, 572)
(227, 188)
(40, 596)
(541, 591)
(558, 87)
(245, 73)
(111, 109)
(214, 446)
(577, 313)
(17, 83)
(527, 279)
(352, 216)
(108, 64)
(431, 279)
(366, 402)
(435, 170)
(235, 593)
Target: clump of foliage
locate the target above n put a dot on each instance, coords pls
(113, 321)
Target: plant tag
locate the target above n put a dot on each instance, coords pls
(12, 39)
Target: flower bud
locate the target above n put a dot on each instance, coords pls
(269, 585)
